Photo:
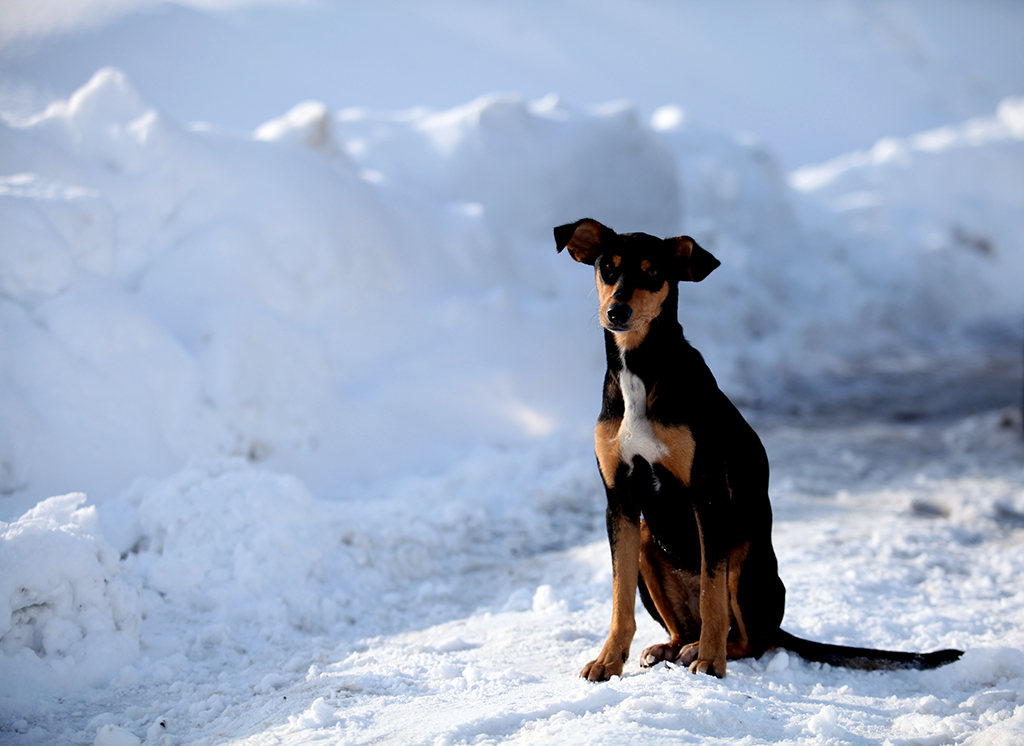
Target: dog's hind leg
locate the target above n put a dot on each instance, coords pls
(672, 598)
(739, 645)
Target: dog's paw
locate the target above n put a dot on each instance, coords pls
(658, 653)
(709, 668)
(688, 654)
(597, 670)
(689, 657)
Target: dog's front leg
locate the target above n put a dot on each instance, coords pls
(715, 619)
(624, 538)
(708, 656)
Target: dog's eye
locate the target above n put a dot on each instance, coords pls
(652, 272)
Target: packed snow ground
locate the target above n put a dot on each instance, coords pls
(460, 609)
(315, 406)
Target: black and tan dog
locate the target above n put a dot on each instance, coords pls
(689, 519)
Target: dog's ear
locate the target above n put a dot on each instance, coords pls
(585, 239)
(693, 262)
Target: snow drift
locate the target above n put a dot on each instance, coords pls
(69, 613)
(298, 297)
(253, 352)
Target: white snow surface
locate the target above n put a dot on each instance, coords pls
(295, 424)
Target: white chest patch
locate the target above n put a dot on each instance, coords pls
(636, 438)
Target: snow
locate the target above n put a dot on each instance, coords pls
(295, 421)
(66, 598)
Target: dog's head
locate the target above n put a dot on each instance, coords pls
(635, 272)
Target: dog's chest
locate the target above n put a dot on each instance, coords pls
(636, 436)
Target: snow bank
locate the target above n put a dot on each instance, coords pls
(929, 228)
(236, 548)
(530, 165)
(256, 548)
(69, 612)
(178, 293)
(227, 567)
(300, 296)
(167, 310)
(327, 379)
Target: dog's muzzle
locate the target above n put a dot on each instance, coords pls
(618, 315)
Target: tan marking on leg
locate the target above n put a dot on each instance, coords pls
(670, 597)
(740, 647)
(625, 570)
(714, 620)
(653, 571)
(606, 445)
(681, 447)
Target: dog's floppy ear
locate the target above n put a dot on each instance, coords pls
(693, 262)
(585, 239)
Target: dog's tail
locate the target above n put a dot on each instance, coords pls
(864, 659)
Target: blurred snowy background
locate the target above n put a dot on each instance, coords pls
(278, 294)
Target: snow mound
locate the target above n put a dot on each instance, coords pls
(197, 294)
(1006, 125)
(239, 546)
(345, 296)
(309, 124)
(165, 282)
(536, 165)
(330, 388)
(111, 735)
(69, 613)
(244, 542)
(933, 222)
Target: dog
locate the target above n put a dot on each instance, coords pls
(689, 519)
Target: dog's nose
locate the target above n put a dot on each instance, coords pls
(618, 314)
